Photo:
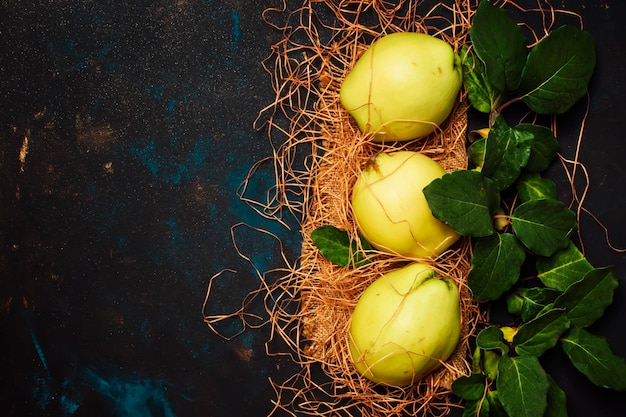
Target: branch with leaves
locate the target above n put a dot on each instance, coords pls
(569, 293)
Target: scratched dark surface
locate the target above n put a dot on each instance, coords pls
(134, 120)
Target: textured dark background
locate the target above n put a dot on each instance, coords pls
(137, 118)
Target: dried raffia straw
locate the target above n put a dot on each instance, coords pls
(308, 67)
(318, 153)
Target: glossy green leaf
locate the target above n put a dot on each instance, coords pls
(592, 355)
(465, 200)
(500, 44)
(543, 225)
(544, 146)
(557, 400)
(531, 186)
(490, 360)
(536, 300)
(476, 408)
(470, 387)
(481, 94)
(558, 70)
(541, 333)
(491, 338)
(336, 246)
(514, 304)
(564, 268)
(476, 152)
(495, 405)
(522, 386)
(476, 360)
(507, 150)
(586, 300)
(496, 264)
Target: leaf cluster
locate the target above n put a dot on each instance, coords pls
(507, 377)
(537, 223)
(530, 227)
(500, 69)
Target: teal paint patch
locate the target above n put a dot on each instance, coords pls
(40, 353)
(236, 28)
(69, 405)
(69, 400)
(165, 163)
(47, 393)
(155, 92)
(215, 211)
(171, 105)
(122, 243)
(147, 155)
(42, 392)
(103, 52)
(134, 397)
(176, 244)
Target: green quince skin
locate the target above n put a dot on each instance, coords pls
(405, 324)
(403, 87)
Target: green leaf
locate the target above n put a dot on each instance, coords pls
(506, 151)
(490, 361)
(531, 186)
(557, 401)
(522, 386)
(558, 70)
(476, 408)
(541, 333)
(544, 146)
(476, 152)
(476, 360)
(500, 44)
(482, 95)
(470, 387)
(564, 268)
(514, 304)
(592, 355)
(463, 199)
(543, 225)
(491, 338)
(586, 300)
(336, 246)
(495, 405)
(496, 264)
(536, 300)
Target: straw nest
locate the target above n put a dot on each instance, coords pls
(322, 41)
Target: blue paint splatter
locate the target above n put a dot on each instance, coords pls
(46, 392)
(103, 52)
(145, 326)
(171, 105)
(39, 351)
(163, 162)
(147, 155)
(155, 92)
(69, 401)
(122, 242)
(176, 237)
(42, 393)
(134, 397)
(236, 28)
(69, 405)
(215, 211)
